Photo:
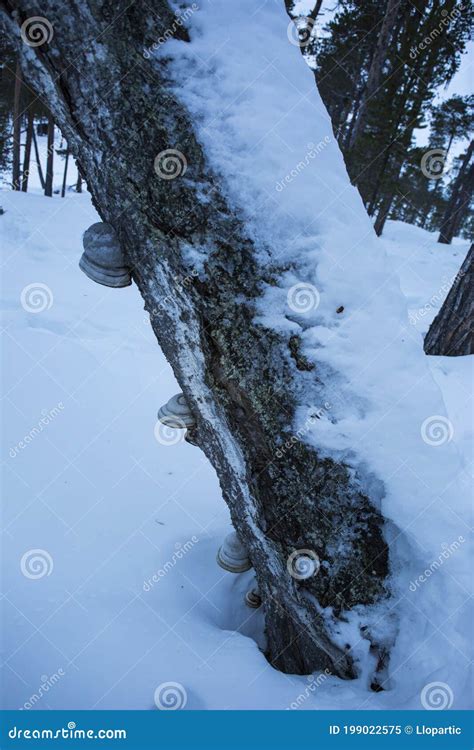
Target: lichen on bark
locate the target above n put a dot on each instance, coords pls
(118, 112)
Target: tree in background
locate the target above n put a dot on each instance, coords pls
(24, 115)
(378, 67)
(451, 333)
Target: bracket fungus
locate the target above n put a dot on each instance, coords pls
(253, 598)
(103, 260)
(232, 555)
(176, 413)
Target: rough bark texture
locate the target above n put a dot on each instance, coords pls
(117, 113)
(460, 200)
(452, 331)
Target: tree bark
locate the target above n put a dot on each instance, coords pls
(239, 378)
(38, 161)
(48, 184)
(16, 130)
(452, 331)
(27, 154)
(375, 75)
(459, 201)
(66, 161)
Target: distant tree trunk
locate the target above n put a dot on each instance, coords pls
(78, 181)
(66, 160)
(38, 161)
(240, 380)
(375, 75)
(48, 187)
(383, 212)
(452, 331)
(16, 129)
(460, 199)
(27, 154)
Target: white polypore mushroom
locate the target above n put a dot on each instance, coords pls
(253, 598)
(232, 555)
(176, 413)
(103, 260)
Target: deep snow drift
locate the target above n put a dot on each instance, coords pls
(114, 507)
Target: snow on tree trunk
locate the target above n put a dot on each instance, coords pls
(213, 157)
(451, 332)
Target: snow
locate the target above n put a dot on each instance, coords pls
(130, 600)
(124, 610)
(268, 136)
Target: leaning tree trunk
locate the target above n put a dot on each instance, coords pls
(452, 331)
(239, 378)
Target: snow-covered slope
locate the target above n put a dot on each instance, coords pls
(113, 507)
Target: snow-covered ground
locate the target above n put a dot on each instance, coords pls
(108, 506)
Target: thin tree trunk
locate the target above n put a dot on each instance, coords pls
(375, 74)
(302, 499)
(452, 331)
(459, 201)
(48, 187)
(27, 154)
(79, 181)
(16, 129)
(63, 189)
(38, 161)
